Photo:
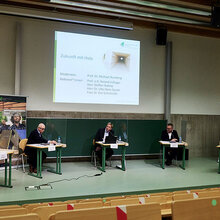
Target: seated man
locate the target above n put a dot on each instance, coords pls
(170, 135)
(35, 137)
(100, 136)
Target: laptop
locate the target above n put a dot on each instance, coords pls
(110, 139)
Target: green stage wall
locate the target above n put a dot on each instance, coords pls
(143, 135)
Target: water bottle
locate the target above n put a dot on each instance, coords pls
(119, 138)
(180, 139)
(59, 140)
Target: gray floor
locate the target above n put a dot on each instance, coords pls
(141, 176)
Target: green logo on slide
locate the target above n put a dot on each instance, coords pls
(122, 44)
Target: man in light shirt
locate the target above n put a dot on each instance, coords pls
(101, 134)
(170, 135)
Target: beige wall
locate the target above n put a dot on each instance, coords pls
(195, 88)
(7, 55)
(37, 67)
(196, 75)
(202, 132)
(195, 80)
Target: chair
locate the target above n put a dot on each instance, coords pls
(31, 206)
(169, 198)
(22, 145)
(167, 194)
(10, 207)
(164, 201)
(21, 217)
(108, 199)
(91, 200)
(106, 204)
(132, 201)
(188, 196)
(44, 211)
(161, 199)
(161, 194)
(15, 211)
(211, 193)
(133, 212)
(210, 189)
(197, 190)
(87, 205)
(72, 201)
(202, 209)
(181, 192)
(83, 200)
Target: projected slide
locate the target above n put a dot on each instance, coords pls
(93, 69)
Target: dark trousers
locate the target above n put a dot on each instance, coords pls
(171, 153)
(109, 153)
(32, 156)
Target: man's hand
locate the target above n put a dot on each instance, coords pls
(98, 148)
(53, 142)
(174, 139)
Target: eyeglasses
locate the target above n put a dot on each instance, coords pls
(41, 128)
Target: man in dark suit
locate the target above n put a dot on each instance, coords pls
(170, 135)
(36, 137)
(101, 134)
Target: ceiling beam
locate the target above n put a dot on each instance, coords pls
(132, 11)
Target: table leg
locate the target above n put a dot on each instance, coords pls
(58, 162)
(40, 161)
(57, 154)
(123, 158)
(39, 164)
(9, 180)
(60, 152)
(183, 160)
(6, 171)
(103, 159)
(163, 156)
(219, 160)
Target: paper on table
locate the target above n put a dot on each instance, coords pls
(174, 145)
(36, 145)
(3, 156)
(51, 148)
(114, 146)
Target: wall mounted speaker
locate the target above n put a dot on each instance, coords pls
(215, 19)
(161, 38)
